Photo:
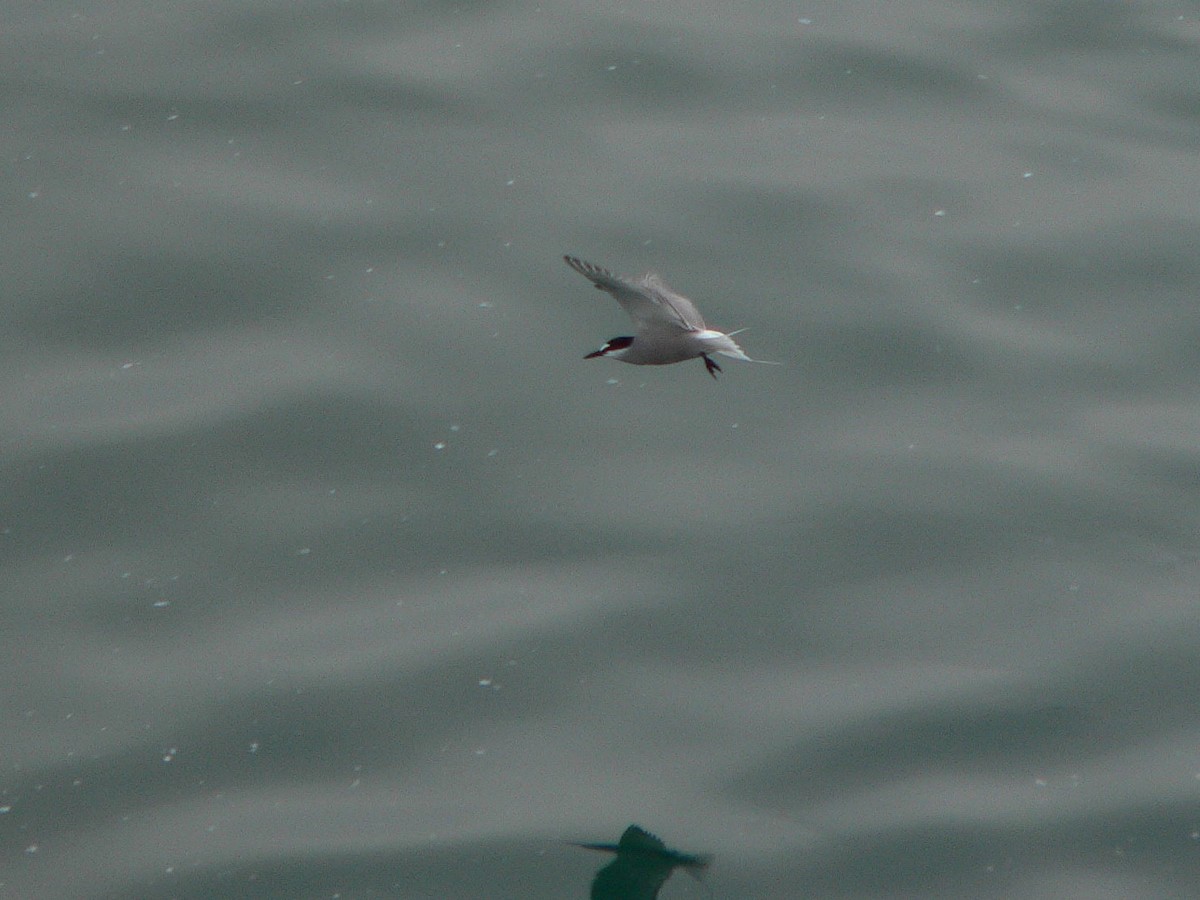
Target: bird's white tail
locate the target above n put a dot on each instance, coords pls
(735, 352)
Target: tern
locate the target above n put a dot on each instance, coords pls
(669, 327)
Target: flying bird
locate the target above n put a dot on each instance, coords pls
(642, 866)
(669, 327)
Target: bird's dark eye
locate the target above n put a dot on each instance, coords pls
(619, 343)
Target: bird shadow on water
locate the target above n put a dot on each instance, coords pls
(641, 866)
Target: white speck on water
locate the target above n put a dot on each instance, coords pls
(128, 365)
(510, 182)
(939, 213)
(33, 195)
(804, 21)
(492, 453)
(610, 68)
(486, 304)
(304, 551)
(161, 604)
(5, 809)
(613, 381)
(455, 427)
(170, 755)
(1027, 175)
(32, 848)
(485, 682)
(440, 445)
(254, 746)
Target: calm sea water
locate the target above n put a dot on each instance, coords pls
(332, 570)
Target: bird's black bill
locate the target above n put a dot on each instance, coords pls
(611, 345)
(712, 367)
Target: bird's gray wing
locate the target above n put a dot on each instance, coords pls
(648, 301)
(681, 306)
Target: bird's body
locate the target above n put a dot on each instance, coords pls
(669, 327)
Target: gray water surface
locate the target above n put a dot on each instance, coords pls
(332, 570)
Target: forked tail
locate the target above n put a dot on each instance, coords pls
(738, 353)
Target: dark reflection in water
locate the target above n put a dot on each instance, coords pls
(642, 866)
